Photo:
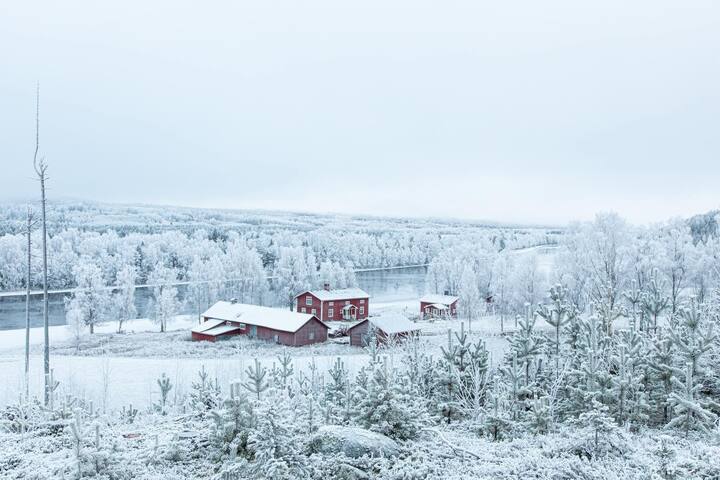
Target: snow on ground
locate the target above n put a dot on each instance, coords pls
(115, 370)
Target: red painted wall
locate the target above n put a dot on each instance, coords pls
(301, 337)
(337, 306)
(359, 331)
(453, 308)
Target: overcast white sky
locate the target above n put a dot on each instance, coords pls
(504, 110)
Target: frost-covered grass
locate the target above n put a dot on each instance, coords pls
(178, 446)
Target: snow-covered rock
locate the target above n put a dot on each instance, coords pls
(354, 442)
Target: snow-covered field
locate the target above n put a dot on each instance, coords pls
(114, 370)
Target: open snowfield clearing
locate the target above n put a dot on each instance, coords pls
(114, 370)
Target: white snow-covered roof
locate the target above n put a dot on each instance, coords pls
(441, 299)
(393, 324)
(439, 306)
(338, 294)
(275, 318)
(206, 326)
(221, 329)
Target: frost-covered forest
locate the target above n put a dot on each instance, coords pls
(605, 366)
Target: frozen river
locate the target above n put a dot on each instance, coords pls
(386, 285)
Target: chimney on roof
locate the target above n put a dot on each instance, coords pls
(326, 286)
(233, 300)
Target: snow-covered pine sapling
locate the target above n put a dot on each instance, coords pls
(599, 422)
(165, 387)
(540, 416)
(558, 313)
(448, 381)
(205, 394)
(284, 372)
(336, 393)
(77, 435)
(129, 414)
(256, 382)
(693, 336)
(233, 422)
(665, 454)
(382, 407)
(496, 423)
(512, 379)
(306, 402)
(654, 301)
(633, 296)
(662, 371)
(526, 346)
(691, 412)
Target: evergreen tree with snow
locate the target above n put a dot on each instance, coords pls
(205, 393)
(691, 412)
(599, 422)
(256, 382)
(385, 406)
(654, 301)
(558, 313)
(234, 421)
(336, 394)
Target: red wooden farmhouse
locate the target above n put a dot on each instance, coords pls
(438, 306)
(386, 328)
(280, 326)
(328, 305)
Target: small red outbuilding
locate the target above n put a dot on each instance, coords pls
(387, 328)
(434, 305)
(278, 325)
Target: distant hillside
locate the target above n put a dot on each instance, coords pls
(102, 217)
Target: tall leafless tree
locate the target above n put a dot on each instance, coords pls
(41, 171)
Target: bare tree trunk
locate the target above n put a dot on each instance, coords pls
(41, 171)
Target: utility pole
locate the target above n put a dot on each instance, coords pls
(28, 233)
(41, 171)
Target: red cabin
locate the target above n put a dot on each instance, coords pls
(386, 328)
(432, 306)
(328, 305)
(225, 319)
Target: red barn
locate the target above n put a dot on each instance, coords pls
(328, 305)
(280, 326)
(387, 328)
(438, 306)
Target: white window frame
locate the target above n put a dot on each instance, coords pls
(362, 300)
(303, 310)
(311, 335)
(308, 300)
(331, 303)
(347, 302)
(362, 310)
(313, 311)
(331, 312)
